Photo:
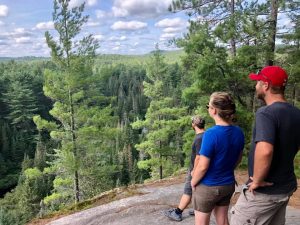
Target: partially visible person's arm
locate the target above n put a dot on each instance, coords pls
(195, 163)
(262, 162)
(198, 147)
(239, 159)
(200, 170)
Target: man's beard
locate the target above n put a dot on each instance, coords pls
(260, 96)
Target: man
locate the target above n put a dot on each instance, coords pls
(275, 142)
(198, 124)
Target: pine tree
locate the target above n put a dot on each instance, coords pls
(71, 88)
(22, 105)
(162, 121)
(290, 52)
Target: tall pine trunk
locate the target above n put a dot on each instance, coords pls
(232, 41)
(76, 178)
(273, 30)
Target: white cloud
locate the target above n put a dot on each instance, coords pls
(1, 23)
(118, 12)
(75, 3)
(91, 2)
(38, 46)
(167, 36)
(123, 38)
(3, 10)
(92, 23)
(99, 37)
(172, 29)
(116, 48)
(142, 8)
(131, 25)
(23, 40)
(3, 42)
(114, 38)
(135, 44)
(100, 14)
(20, 32)
(4, 36)
(175, 22)
(45, 25)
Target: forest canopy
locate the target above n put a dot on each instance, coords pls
(77, 124)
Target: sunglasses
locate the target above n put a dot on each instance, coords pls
(208, 106)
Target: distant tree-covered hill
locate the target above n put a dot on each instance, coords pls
(25, 58)
(170, 57)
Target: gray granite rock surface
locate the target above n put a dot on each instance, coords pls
(144, 209)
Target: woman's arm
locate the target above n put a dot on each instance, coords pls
(200, 170)
(239, 160)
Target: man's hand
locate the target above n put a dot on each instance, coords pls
(254, 185)
(193, 186)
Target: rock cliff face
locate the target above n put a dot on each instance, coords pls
(144, 209)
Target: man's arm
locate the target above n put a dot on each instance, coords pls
(196, 161)
(198, 147)
(262, 162)
(200, 170)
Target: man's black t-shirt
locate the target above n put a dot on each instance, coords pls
(279, 125)
(195, 149)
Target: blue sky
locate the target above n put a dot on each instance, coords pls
(121, 26)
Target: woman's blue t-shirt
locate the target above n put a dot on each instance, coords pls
(222, 145)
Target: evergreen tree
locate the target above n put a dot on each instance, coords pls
(290, 52)
(163, 120)
(71, 87)
(22, 105)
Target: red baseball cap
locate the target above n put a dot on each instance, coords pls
(273, 74)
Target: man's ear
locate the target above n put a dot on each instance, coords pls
(266, 85)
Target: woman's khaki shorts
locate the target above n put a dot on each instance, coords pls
(205, 198)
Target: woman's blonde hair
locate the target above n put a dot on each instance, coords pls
(224, 103)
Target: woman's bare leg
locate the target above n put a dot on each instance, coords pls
(221, 214)
(202, 218)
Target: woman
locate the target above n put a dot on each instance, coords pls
(221, 151)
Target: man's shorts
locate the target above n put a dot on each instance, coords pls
(187, 186)
(259, 209)
(206, 198)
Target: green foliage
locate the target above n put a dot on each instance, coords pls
(162, 124)
(54, 201)
(32, 173)
(69, 88)
(21, 97)
(133, 60)
(297, 163)
(23, 202)
(80, 124)
(249, 38)
(289, 55)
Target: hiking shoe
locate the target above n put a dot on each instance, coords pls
(171, 214)
(191, 212)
